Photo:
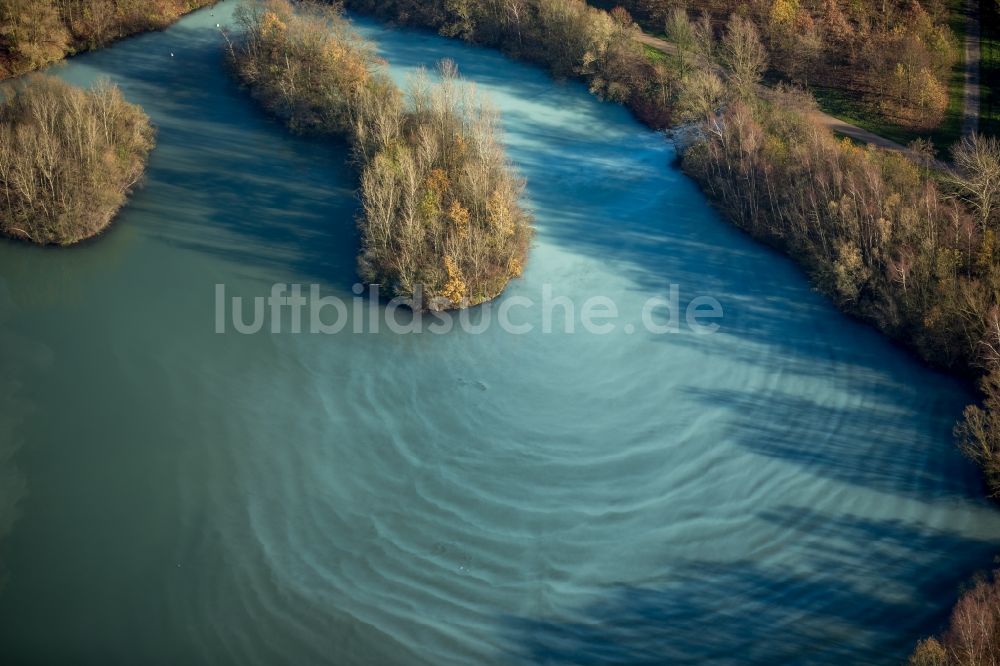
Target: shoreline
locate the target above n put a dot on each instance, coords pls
(72, 51)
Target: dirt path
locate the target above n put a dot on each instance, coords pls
(854, 132)
(660, 45)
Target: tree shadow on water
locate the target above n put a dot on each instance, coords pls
(879, 445)
(852, 590)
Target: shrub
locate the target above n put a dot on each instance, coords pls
(929, 652)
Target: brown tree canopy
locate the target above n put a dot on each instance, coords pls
(36, 32)
(68, 158)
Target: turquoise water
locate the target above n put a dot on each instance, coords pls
(784, 491)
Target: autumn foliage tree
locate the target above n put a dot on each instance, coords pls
(31, 34)
(306, 66)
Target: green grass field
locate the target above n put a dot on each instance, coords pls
(654, 55)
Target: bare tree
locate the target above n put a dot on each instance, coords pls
(976, 175)
(743, 55)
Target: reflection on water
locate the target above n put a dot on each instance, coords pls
(784, 491)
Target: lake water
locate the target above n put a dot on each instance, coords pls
(783, 491)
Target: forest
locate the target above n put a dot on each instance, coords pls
(68, 158)
(441, 223)
(34, 33)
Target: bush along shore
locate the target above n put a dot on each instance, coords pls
(441, 223)
(34, 33)
(899, 240)
(68, 158)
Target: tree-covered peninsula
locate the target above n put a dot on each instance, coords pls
(441, 221)
(68, 158)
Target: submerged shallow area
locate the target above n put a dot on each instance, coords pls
(783, 491)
